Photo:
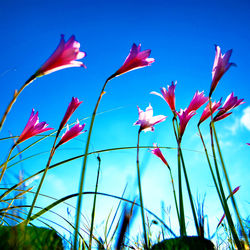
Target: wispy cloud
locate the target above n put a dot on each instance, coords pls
(245, 119)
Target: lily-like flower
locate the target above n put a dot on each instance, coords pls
(71, 133)
(221, 65)
(74, 104)
(184, 118)
(156, 151)
(146, 119)
(230, 103)
(135, 60)
(168, 95)
(198, 100)
(64, 57)
(207, 113)
(33, 127)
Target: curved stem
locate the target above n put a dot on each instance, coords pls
(225, 206)
(140, 192)
(79, 201)
(94, 204)
(229, 185)
(5, 165)
(16, 94)
(52, 152)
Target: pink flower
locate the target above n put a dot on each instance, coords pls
(135, 60)
(74, 104)
(146, 119)
(71, 133)
(230, 103)
(184, 118)
(198, 100)
(63, 57)
(156, 151)
(33, 127)
(248, 144)
(206, 112)
(221, 65)
(168, 95)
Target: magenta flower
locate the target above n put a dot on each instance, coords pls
(248, 144)
(33, 127)
(156, 151)
(221, 65)
(184, 118)
(230, 103)
(74, 104)
(198, 100)
(206, 112)
(146, 119)
(168, 95)
(63, 57)
(71, 133)
(135, 60)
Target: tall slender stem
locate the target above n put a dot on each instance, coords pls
(5, 165)
(175, 199)
(225, 206)
(182, 214)
(181, 206)
(16, 94)
(94, 203)
(79, 201)
(140, 192)
(189, 193)
(210, 166)
(52, 152)
(229, 185)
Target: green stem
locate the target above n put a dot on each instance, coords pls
(181, 206)
(79, 201)
(175, 199)
(210, 167)
(5, 165)
(229, 185)
(225, 206)
(189, 193)
(94, 203)
(182, 214)
(140, 192)
(16, 94)
(52, 152)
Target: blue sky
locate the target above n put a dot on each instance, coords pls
(181, 35)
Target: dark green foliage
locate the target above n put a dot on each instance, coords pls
(32, 238)
(185, 243)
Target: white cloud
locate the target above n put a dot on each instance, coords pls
(233, 128)
(245, 119)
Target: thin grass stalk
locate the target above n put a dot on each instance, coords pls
(5, 165)
(229, 185)
(140, 192)
(180, 217)
(94, 203)
(181, 206)
(16, 94)
(62, 200)
(189, 193)
(79, 201)
(111, 224)
(210, 166)
(175, 199)
(52, 152)
(225, 206)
